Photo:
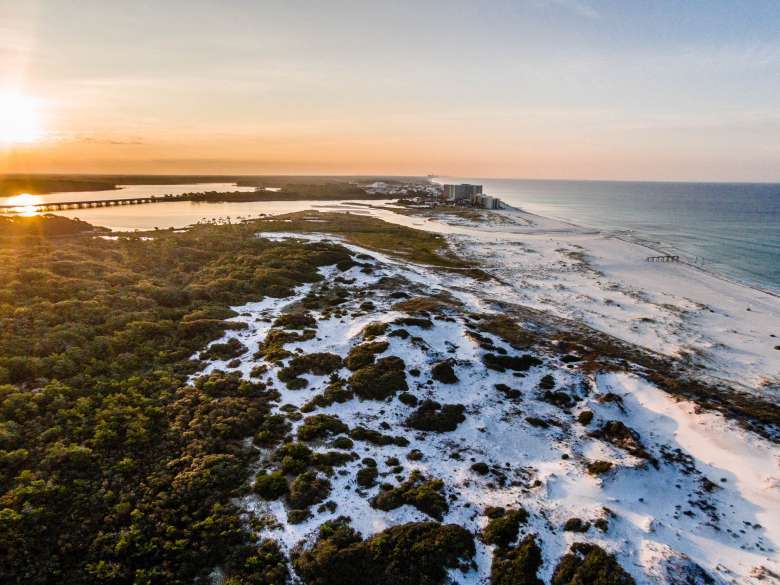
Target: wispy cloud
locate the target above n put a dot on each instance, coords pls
(68, 137)
(578, 7)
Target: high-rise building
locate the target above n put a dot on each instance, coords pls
(460, 192)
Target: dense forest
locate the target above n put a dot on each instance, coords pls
(114, 469)
(289, 192)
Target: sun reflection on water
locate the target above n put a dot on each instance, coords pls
(24, 203)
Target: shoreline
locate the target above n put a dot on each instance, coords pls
(721, 326)
(588, 276)
(646, 244)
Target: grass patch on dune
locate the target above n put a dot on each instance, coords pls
(372, 233)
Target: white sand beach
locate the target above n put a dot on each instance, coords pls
(729, 329)
(711, 501)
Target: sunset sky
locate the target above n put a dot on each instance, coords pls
(686, 90)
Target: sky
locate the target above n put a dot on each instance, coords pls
(645, 89)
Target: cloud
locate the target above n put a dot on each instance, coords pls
(123, 141)
(578, 7)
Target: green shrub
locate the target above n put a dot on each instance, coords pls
(377, 438)
(599, 467)
(511, 393)
(519, 565)
(547, 382)
(307, 489)
(326, 461)
(481, 468)
(503, 530)
(366, 476)
(623, 437)
(272, 430)
(270, 486)
(414, 322)
(272, 347)
(433, 416)
(335, 392)
(295, 458)
(408, 398)
(443, 372)
(424, 494)
(258, 370)
(408, 554)
(373, 330)
(320, 426)
(364, 354)
(343, 443)
(589, 563)
(585, 417)
(380, 380)
(319, 364)
(576, 525)
(295, 321)
(501, 363)
(224, 351)
(258, 564)
(297, 516)
(535, 421)
(559, 398)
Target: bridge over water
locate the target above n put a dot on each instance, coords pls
(65, 205)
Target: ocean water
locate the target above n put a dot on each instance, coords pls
(729, 228)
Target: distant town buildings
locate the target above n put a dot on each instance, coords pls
(403, 189)
(465, 194)
(428, 193)
(462, 192)
(486, 201)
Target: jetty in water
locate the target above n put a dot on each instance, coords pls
(662, 259)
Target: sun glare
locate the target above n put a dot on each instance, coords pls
(20, 119)
(24, 204)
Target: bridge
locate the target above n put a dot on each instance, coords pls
(65, 205)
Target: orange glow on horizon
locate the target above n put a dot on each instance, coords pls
(20, 119)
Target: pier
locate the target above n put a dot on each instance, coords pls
(662, 259)
(65, 205)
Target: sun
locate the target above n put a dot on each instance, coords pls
(24, 204)
(20, 119)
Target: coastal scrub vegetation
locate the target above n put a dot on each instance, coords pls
(589, 563)
(113, 467)
(503, 527)
(436, 417)
(519, 565)
(379, 380)
(418, 491)
(418, 553)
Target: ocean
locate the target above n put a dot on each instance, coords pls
(729, 228)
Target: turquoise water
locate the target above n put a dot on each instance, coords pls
(731, 228)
